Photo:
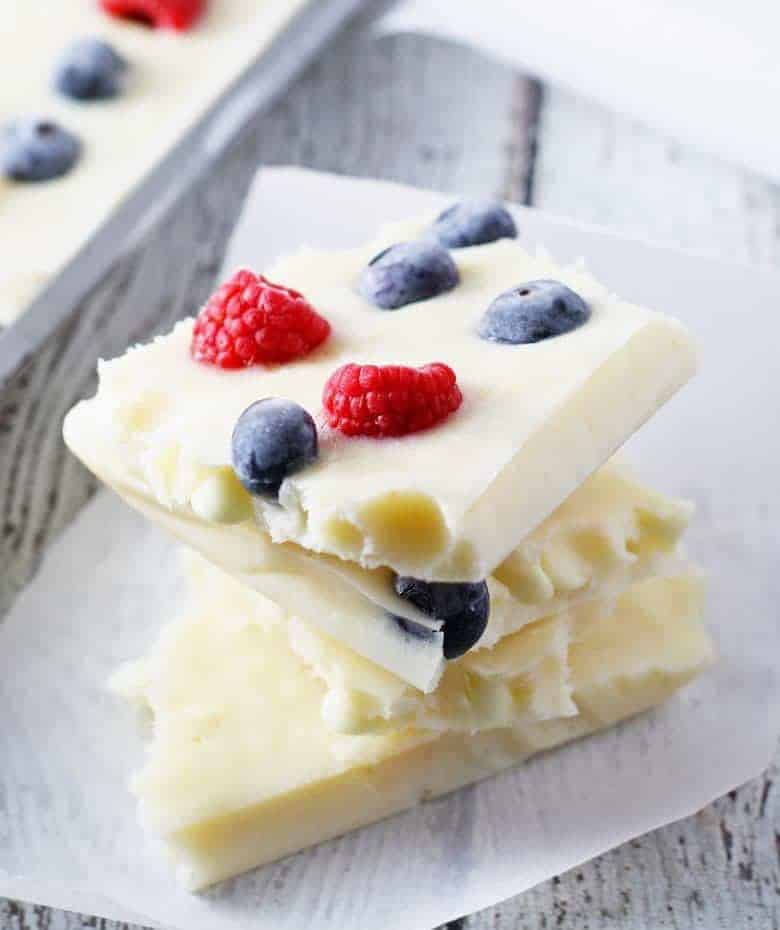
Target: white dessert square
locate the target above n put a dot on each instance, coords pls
(448, 503)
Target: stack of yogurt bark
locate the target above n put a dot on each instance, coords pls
(418, 561)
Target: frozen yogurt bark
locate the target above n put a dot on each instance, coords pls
(229, 694)
(520, 378)
(446, 503)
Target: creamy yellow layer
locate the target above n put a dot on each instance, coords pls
(241, 769)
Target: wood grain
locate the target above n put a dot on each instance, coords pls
(600, 168)
(427, 113)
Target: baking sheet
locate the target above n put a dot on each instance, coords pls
(68, 836)
(297, 43)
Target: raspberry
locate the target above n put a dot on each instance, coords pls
(160, 14)
(389, 400)
(250, 321)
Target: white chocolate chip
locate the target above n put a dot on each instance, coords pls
(347, 711)
(221, 498)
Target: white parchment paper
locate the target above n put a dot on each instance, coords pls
(705, 71)
(68, 835)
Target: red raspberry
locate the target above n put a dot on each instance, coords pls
(250, 321)
(160, 14)
(389, 400)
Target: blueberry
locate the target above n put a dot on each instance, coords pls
(463, 607)
(273, 438)
(406, 273)
(37, 150)
(474, 222)
(90, 69)
(533, 311)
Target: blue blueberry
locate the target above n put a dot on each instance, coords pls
(90, 69)
(533, 311)
(406, 273)
(474, 222)
(273, 438)
(463, 607)
(37, 150)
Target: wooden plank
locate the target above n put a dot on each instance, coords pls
(404, 109)
(600, 168)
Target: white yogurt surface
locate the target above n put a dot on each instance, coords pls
(173, 78)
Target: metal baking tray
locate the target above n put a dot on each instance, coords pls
(296, 45)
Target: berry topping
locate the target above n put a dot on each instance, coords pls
(273, 438)
(463, 608)
(406, 273)
(90, 69)
(474, 223)
(533, 311)
(251, 321)
(159, 14)
(37, 150)
(389, 400)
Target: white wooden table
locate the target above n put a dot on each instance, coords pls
(435, 115)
